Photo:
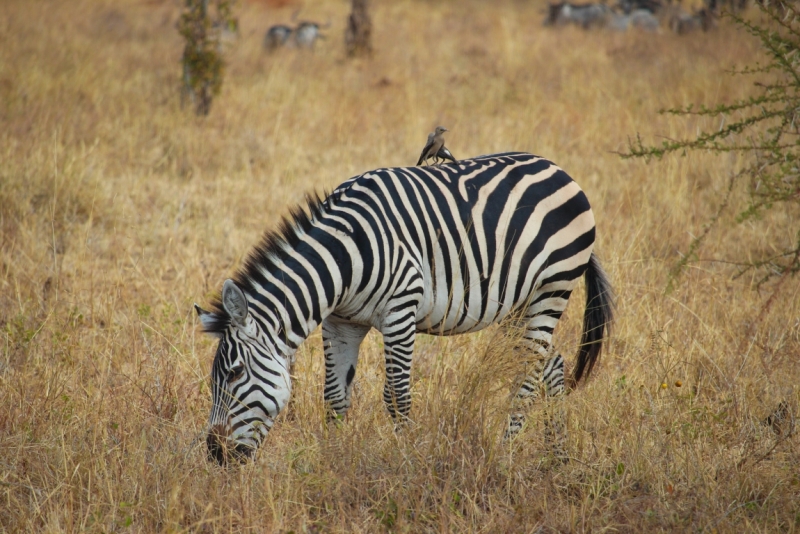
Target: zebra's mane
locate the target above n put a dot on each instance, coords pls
(272, 248)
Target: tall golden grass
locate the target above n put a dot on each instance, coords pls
(118, 210)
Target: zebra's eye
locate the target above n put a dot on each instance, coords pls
(235, 373)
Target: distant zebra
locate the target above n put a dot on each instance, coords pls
(307, 33)
(640, 18)
(583, 15)
(440, 250)
(683, 23)
(277, 36)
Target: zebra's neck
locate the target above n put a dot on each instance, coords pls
(293, 289)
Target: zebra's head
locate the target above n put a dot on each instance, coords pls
(250, 380)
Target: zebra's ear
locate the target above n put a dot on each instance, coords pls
(207, 319)
(234, 302)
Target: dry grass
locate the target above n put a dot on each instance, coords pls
(118, 210)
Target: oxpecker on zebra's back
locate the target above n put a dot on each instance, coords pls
(433, 145)
(444, 154)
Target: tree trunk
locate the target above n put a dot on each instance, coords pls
(358, 37)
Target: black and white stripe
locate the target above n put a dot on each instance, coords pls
(440, 250)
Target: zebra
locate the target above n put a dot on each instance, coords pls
(683, 23)
(276, 37)
(439, 250)
(639, 18)
(307, 33)
(584, 15)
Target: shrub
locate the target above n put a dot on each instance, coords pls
(766, 129)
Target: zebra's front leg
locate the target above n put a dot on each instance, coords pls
(399, 333)
(341, 340)
(398, 324)
(399, 349)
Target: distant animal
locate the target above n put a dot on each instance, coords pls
(432, 146)
(682, 22)
(306, 34)
(644, 19)
(736, 6)
(584, 15)
(629, 6)
(640, 18)
(277, 36)
(501, 239)
(619, 22)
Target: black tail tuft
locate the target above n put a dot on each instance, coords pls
(597, 318)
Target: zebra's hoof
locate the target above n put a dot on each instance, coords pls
(335, 420)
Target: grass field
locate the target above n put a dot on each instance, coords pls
(118, 209)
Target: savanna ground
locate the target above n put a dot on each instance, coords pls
(118, 209)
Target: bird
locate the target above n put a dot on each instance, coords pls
(427, 144)
(433, 145)
(445, 154)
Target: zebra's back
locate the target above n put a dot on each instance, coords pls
(485, 235)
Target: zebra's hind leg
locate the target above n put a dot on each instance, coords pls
(544, 379)
(340, 340)
(526, 395)
(555, 429)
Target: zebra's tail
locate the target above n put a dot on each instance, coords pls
(597, 318)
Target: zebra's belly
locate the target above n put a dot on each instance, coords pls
(450, 328)
(458, 312)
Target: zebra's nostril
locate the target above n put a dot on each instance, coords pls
(217, 444)
(242, 452)
(222, 450)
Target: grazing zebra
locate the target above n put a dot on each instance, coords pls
(640, 18)
(442, 251)
(682, 22)
(583, 15)
(630, 6)
(276, 37)
(307, 33)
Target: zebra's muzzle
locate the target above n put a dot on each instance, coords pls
(222, 449)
